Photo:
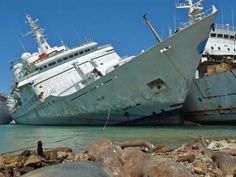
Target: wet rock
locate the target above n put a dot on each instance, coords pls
(165, 168)
(188, 158)
(225, 162)
(97, 148)
(33, 161)
(134, 160)
(113, 159)
(26, 153)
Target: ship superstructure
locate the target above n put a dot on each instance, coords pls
(4, 111)
(92, 85)
(212, 98)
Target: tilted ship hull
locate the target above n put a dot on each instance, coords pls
(5, 117)
(212, 97)
(154, 83)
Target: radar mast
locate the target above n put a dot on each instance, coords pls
(37, 32)
(195, 9)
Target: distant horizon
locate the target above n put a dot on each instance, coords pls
(118, 23)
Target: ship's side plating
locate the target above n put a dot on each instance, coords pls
(156, 81)
(212, 99)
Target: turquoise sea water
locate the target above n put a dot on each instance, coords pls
(16, 138)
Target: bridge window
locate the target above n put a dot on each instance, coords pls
(76, 54)
(87, 50)
(65, 58)
(226, 36)
(218, 48)
(231, 37)
(45, 66)
(213, 34)
(59, 61)
(220, 35)
(228, 49)
(53, 63)
(71, 56)
(212, 48)
(81, 52)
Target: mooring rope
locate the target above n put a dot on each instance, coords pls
(108, 116)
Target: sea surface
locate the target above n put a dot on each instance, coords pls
(16, 138)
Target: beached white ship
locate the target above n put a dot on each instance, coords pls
(212, 98)
(93, 85)
(5, 117)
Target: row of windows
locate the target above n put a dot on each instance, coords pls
(225, 36)
(65, 58)
(212, 48)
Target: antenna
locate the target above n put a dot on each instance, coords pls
(195, 9)
(37, 32)
(175, 27)
(20, 42)
(232, 18)
(76, 34)
(222, 17)
(152, 29)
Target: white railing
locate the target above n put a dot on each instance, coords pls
(196, 17)
(225, 27)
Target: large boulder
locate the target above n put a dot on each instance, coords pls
(71, 170)
(134, 161)
(95, 149)
(113, 159)
(165, 168)
(225, 162)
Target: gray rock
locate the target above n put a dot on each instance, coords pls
(225, 162)
(71, 170)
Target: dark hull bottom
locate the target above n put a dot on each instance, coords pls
(211, 118)
(165, 118)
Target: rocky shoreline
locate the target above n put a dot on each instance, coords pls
(139, 158)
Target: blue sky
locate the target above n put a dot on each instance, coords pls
(116, 22)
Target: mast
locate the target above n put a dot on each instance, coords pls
(195, 9)
(152, 29)
(37, 32)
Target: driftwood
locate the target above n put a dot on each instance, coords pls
(124, 144)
